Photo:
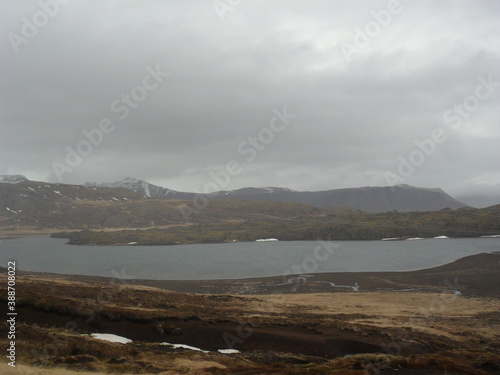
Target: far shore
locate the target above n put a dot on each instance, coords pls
(13, 234)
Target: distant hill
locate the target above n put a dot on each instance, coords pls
(12, 188)
(480, 201)
(44, 205)
(403, 198)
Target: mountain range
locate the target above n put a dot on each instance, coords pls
(403, 198)
(245, 214)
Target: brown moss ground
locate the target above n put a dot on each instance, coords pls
(404, 333)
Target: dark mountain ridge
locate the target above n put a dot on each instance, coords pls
(402, 198)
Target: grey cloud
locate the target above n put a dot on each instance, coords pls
(353, 119)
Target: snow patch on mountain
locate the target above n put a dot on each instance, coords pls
(139, 186)
(12, 179)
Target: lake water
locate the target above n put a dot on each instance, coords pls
(235, 260)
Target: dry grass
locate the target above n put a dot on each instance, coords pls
(388, 304)
(463, 330)
(28, 370)
(180, 366)
(433, 313)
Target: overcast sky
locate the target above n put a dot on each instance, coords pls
(360, 84)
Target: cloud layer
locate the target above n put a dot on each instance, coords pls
(358, 114)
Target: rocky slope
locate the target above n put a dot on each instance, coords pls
(143, 188)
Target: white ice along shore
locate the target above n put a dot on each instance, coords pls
(267, 240)
(412, 238)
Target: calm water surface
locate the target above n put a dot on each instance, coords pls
(235, 260)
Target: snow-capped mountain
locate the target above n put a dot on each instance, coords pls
(12, 179)
(257, 191)
(142, 187)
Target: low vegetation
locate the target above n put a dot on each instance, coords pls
(280, 332)
(245, 223)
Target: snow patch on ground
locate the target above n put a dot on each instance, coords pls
(182, 346)
(229, 351)
(110, 338)
(188, 347)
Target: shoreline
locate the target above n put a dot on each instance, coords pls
(168, 244)
(8, 235)
(472, 275)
